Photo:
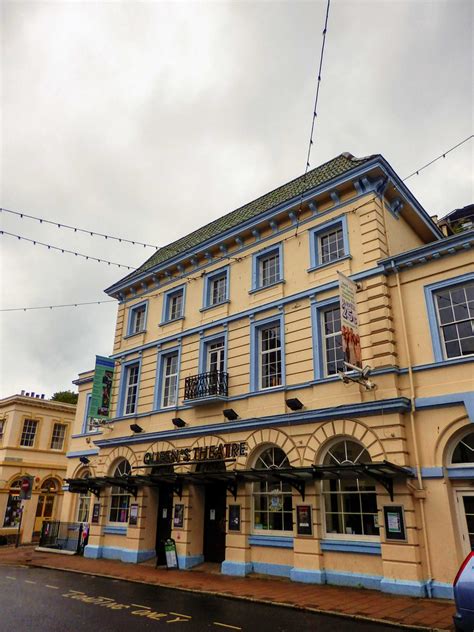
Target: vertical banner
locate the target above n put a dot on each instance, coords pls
(349, 321)
(102, 388)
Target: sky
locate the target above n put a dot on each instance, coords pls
(146, 120)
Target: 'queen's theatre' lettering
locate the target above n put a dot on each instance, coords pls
(208, 453)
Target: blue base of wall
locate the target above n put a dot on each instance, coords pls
(280, 570)
(357, 580)
(440, 590)
(239, 569)
(115, 553)
(403, 587)
(307, 576)
(188, 561)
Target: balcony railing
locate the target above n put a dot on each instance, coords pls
(213, 384)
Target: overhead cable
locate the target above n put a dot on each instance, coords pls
(443, 155)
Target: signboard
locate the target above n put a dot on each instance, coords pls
(133, 516)
(178, 520)
(26, 487)
(304, 522)
(349, 321)
(170, 553)
(95, 513)
(217, 452)
(234, 517)
(394, 523)
(102, 388)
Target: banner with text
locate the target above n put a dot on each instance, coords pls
(349, 321)
(102, 388)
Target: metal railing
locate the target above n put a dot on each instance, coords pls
(66, 536)
(206, 385)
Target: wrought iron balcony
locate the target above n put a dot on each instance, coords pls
(209, 386)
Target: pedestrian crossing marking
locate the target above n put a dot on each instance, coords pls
(177, 614)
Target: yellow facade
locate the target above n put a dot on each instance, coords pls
(367, 225)
(34, 439)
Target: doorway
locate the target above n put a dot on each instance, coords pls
(465, 504)
(46, 505)
(164, 521)
(214, 522)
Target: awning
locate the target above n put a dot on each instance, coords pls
(382, 472)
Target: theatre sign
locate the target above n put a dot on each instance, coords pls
(218, 452)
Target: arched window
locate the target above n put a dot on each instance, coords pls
(464, 450)
(12, 511)
(119, 497)
(350, 503)
(49, 486)
(84, 502)
(273, 499)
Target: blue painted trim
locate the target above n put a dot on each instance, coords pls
(208, 278)
(93, 551)
(431, 472)
(438, 365)
(256, 260)
(255, 332)
(266, 287)
(165, 319)
(317, 232)
(86, 413)
(131, 315)
(277, 541)
(357, 580)
(206, 309)
(115, 529)
(280, 570)
(403, 587)
(329, 263)
(238, 569)
(349, 546)
(116, 553)
(307, 576)
(455, 472)
(78, 453)
(441, 590)
(158, 394)
(346, 411)
(430, 292)
(451, 399)
(319, 359)
(123, 384)
(203, 348)
(188, 561)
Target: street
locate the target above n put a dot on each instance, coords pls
(48, 600)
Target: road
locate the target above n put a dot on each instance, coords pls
(45, 600)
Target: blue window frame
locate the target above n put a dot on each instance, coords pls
(167, 383)
(267, 267)
(267, 354)
(129, 388)
(216, 288)
(329, 243)
(450, 306)
(213, 353)
(327, 340)
(137, 316)
(85, 421)
(173, 304)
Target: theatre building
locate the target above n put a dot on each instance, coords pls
(227, 419)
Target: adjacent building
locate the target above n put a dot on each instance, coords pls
(230, 428)
(34, 438)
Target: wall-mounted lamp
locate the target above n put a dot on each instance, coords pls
(230, 414)
(136, 428)
(84, 460)
(294, 404)
(178, 422)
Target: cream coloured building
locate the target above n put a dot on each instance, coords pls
(231, 430)
(34, 438)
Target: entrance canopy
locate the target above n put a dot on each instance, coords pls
(382, 472)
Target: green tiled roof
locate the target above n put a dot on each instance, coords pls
(322, 174)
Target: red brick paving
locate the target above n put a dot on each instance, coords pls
(353, 602)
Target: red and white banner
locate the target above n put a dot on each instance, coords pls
(349, 321)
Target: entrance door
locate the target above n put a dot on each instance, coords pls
(465, 502)
(44, 511)
(164, 522)
(214, 523)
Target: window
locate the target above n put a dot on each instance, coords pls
(215, 360)
(169, 395)
(84, 503)
(173, 305)
(28, 433)
(455, 311)
(58, 436)
(216, 288)
(137, 319)
(329, 242)
(270, 356)
(333, 357)
(128, 398)
(350, 504)
(267, 267)
(2, 427)
(119, 497)
(272, 499)
(464, 450)
(13, 508)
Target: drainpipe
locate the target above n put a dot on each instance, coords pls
(420, 493)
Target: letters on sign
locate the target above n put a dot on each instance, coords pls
(217, 452)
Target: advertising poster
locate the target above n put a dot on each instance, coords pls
(95, 513)
(349, 321)
(178, 520)
(394, 523)
(102, 388)
(304, 523)
(234, 517)
(133, 517)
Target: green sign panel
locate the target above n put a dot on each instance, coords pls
(102, 388)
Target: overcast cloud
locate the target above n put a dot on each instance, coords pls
(147, 120)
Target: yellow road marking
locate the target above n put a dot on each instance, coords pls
(49, 586)
(137, 605)
(225, 625)
(177, 614)
(28, 581)
(8, 577)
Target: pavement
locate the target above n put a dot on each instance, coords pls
(356, 603)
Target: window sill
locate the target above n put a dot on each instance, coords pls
(319, 266)
(137, 333)
(277, 541)
(169, 322)
(207, 307)
(266, 287)
(115, 530)
(366, 547)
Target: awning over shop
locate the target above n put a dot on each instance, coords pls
(382, 472)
